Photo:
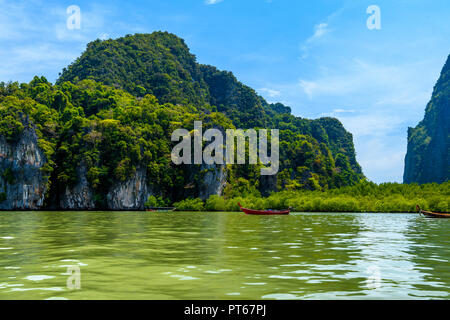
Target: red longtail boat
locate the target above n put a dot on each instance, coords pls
(263, 212)
(431, 214)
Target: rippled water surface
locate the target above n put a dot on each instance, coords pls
(182, 255)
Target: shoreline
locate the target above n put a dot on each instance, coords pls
(192, 211)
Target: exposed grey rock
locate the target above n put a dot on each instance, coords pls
(80, 196)
(26, 186)
(428, 156)
(214, 180)
(267, 184)
(130, 194)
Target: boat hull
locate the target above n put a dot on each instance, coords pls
(264, 212)
(430, 214)
(160, 209)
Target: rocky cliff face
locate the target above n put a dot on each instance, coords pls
(213, 181)
(22, 182)
(80, 196)
(427, 159)
(130, 194)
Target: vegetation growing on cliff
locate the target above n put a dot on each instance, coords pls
(315, 153)
(113, 110)
(109, 131)
(428, 156)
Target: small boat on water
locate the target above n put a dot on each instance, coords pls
(263, 212)
(160, 209)
(431, 214)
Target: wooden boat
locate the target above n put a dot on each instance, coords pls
(431, 214)
(160, 209)
(263, 212)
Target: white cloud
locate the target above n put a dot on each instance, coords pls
(382, 85)
(379, 143)
(34, 39)
(92, 21)
(373, 124)
(104, 36)
(269, 92)
(319, 30)
(375, 101)
(344, 111)
(39, 58)
(337, 112)
(209, 2)
(381, 161)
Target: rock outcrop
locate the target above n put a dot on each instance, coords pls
(22, 182)
(130, 194)
(428, 156)
(80, 196)
(105, 134)
(213, 181)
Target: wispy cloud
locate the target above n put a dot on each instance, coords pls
(337, 112)
(386, 85)
(376, 101)
(209, 2)
(39, 58)
(320, 30)
(35, 38)
(92, 23)
(269, 92)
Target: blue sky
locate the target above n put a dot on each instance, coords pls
(318, 56)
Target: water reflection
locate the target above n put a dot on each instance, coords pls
(222, 255)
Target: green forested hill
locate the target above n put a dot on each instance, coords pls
(428, 155)
(113, 110)
(161, 64)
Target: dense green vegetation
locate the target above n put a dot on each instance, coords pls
(315, 154)
(113, 110)
(362, 197)
(106, 130)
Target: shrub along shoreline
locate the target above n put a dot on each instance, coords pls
(362, 197)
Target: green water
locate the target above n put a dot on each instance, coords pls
(182, 255)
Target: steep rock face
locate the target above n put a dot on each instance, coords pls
(130, 194)
(22, 182)
(213, 181)
(338, 139)
(80, 196)
(428, 155)
(267, 184)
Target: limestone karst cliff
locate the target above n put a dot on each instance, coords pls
(100, 138)
(22, 182)
(428, 155)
